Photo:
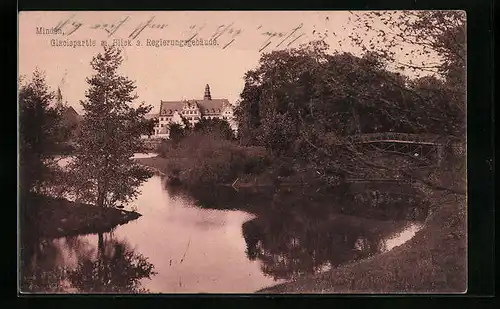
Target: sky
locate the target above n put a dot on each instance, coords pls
(170, 72)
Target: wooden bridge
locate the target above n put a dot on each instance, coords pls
(426, 148)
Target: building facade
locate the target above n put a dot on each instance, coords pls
(192, 111)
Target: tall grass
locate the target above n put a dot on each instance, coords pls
(201, 159)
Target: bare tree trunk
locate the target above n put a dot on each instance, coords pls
(101, 193)
(102, 188)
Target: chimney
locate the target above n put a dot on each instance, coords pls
(207, 95)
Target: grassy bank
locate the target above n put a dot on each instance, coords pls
(200, 160)
(434, 260)
(57, 217)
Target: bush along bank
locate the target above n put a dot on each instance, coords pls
(207, 160)
(200, 160)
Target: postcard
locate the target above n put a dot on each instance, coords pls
(242, 152)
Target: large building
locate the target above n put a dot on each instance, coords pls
(192, 111)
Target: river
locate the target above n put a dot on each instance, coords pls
(181, 245)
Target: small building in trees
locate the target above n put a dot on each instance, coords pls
(192, 111)
(70, 117)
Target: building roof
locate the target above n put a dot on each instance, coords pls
(214, 106)
(169, 107)
(70, 115)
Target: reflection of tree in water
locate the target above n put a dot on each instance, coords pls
(115, 268)
(383, 205)
(39, 269)
(222, 197)
(292, 246)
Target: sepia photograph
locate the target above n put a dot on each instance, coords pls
(242, 152)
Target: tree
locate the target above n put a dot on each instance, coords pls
(433, 42)
(39, 134)
(150, 126)
(104, 172)
(307, 90)
(214, 126)
(279, 91)
(176, 132)
(308, 102)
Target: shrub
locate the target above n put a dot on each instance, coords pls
(201, 159)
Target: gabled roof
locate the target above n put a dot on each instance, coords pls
(169, 107)
(69, 114)
(214, 106)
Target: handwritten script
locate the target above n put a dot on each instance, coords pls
(226, 33)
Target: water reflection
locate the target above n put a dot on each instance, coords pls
(74, 264)
(403, 236)
(291, 246)
(385, 205)
(197, 243)
(302, 233)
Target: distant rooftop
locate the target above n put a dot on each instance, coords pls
(207, 105)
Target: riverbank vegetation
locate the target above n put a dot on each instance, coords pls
(206, 159)
(101, 173)
(210, 154)
(101, 178)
